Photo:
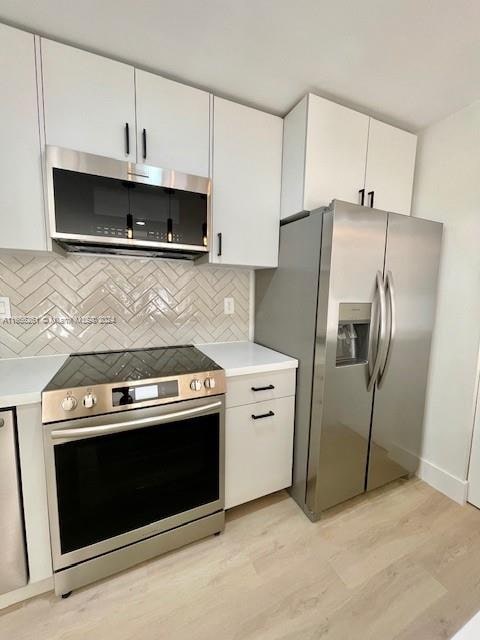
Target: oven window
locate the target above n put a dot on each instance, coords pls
(112, 484)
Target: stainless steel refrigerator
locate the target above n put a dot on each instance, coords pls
(354, 300)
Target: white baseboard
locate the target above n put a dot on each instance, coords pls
(26, 592)
(451, 486)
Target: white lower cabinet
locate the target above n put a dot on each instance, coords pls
(258, 442)
(34, 489)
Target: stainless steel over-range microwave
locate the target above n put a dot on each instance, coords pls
(99, 204)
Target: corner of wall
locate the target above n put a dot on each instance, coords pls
(454, 488)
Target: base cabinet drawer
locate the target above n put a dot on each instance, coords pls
(257, 387)
(258, 450)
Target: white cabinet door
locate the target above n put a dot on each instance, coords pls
(173, 124)
(258, 452)
(34, 489)
(390, 167)
(293, 159)
(89, 101)
(257, 387)
(246, 178)
(335, 154)
(21, 195)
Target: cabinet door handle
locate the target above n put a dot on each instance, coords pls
(144, 139)
(267, 388)
(127, 139)
(371, 195)
(263, 415)
(361, 192)
(219, 236)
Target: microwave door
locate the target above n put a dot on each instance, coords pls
(90, 206)
(170, 216)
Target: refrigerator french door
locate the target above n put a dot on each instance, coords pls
(353, 299)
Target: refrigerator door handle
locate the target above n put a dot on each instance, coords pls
(390, 290)
(381, 334)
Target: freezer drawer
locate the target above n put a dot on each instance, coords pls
(13, 559)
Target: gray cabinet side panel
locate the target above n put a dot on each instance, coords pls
(285, 320)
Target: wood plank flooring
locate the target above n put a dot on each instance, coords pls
(401, 563)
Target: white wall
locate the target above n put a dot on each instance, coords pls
(447, 189)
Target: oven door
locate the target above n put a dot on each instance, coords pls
(116, 479)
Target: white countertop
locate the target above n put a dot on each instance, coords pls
(242, 358)
(23, 379)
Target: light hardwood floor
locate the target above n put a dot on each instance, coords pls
(400, 563)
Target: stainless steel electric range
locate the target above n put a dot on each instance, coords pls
(134, 455)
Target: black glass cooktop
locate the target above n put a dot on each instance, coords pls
(85, 369)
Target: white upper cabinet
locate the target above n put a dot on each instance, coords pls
(390, 167)
(336, 148)
(325, 146)
(89, 102)
(21, 195)
(328, 152)
(173, 124)
(246, 177)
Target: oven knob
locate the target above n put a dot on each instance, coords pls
(210, 383)
(196, 385)
(69, 403)
(89, 400)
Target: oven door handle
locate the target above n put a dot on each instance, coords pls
(118, 427)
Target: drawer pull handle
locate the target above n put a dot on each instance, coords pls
(263, 415)
(267, 388)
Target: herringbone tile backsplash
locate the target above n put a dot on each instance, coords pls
(145, 302)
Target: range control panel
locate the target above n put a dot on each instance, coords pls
(79, 402)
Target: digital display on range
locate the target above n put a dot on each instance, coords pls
(141, 393)
(148, 392)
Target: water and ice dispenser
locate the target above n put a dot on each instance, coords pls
(353, 333)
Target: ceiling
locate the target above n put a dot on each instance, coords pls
(409, 62)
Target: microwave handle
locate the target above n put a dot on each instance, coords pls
(118, 427)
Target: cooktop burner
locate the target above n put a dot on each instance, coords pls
(84, 369)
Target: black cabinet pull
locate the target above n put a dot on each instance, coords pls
(144, 139)
(362, 196)
(263, 415)
(170, 230)
(127, 139)
(267, 388)
(219, 236)
(370, 195)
